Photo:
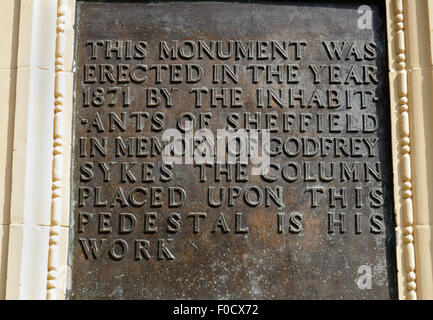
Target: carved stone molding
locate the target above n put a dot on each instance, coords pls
(58, 149)
(407, 211)
(62, 118)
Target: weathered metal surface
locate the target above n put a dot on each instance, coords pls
(309, 257)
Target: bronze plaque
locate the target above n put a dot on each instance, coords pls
(162, 85)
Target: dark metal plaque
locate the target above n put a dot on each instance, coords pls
(316, 223)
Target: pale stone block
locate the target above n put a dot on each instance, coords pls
(37, 34)
(32, 159)
(14, 261)
(33, 145)
(70, 13)
(34, 262)
(67, 149)
(62, 270)
(395, 142)
(69, 51)
(9, 13)
(420, 97)
(44, 30)
(6, 143)
(421, 114)
(27, 262)
(5, 83)
(4, 241)
(424, 261)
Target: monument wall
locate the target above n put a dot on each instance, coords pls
(53, 201)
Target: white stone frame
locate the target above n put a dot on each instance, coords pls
(39, 214)
(37, 258)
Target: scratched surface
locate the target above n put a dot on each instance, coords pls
(308, 263)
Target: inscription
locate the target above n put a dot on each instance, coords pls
(161, 108)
